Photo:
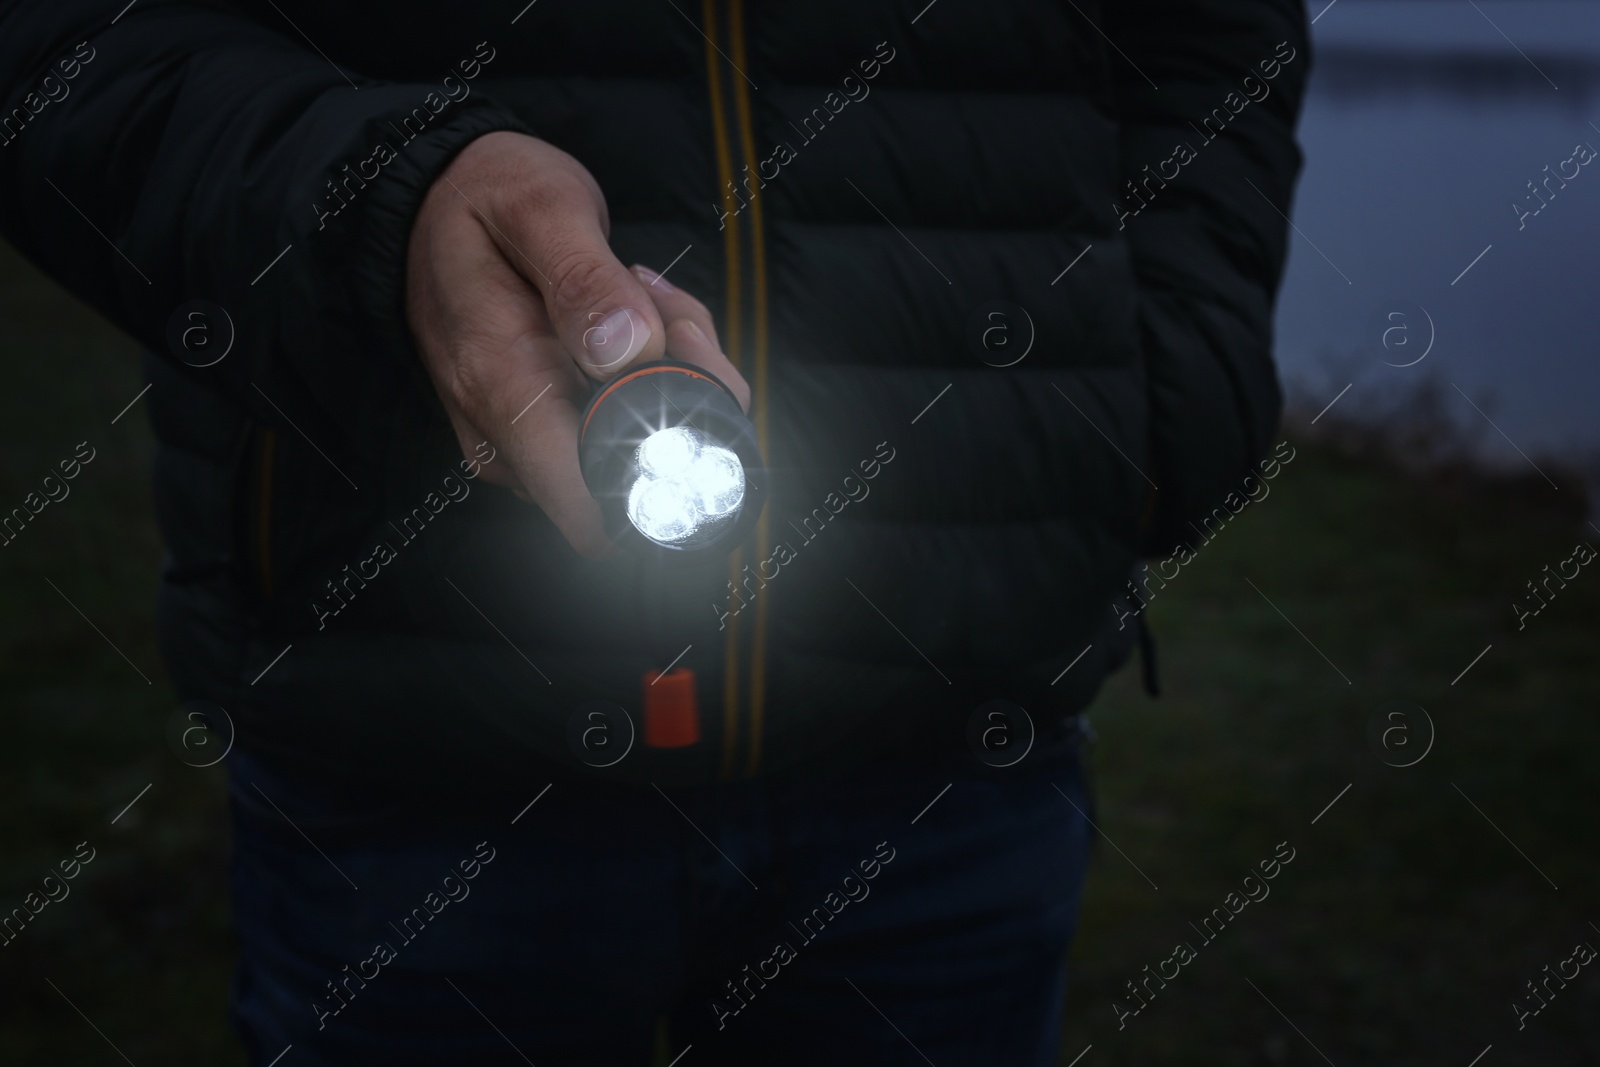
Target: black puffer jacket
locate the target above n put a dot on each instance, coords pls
(879, 201)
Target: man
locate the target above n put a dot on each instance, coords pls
(995, 288)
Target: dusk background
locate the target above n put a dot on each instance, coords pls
(1342, 668)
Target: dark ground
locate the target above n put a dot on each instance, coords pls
(1400, 933)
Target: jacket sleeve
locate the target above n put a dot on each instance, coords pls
(175, 152)
(1206, 94)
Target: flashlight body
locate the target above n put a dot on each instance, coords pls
(643, 401)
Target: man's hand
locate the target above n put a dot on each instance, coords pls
(515, 299)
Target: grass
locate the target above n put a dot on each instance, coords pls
(1399, 934)
(1406, 924)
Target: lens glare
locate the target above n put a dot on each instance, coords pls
(686, 486)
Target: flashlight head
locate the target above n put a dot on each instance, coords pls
(672, 460)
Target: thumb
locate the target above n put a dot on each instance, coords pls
(600, 310)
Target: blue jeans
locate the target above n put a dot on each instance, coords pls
(868, 917)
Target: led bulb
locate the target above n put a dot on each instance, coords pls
(717, 478)
(668, 453)
(662, 511)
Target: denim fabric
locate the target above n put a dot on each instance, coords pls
(606, 925)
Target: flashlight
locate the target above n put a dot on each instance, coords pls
(672, 460)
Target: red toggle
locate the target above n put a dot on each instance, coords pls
(671, 714)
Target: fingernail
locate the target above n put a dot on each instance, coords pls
(651, 278)
(617, 339)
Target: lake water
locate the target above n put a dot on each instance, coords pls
(1422, 128)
